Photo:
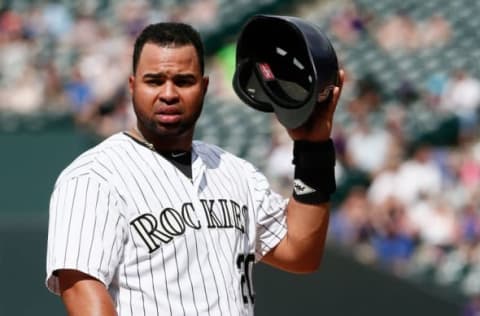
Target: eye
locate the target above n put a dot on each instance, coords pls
(184, 81)
(154, 82)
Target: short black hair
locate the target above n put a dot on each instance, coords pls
(169, 34)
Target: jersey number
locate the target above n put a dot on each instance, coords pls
(245, 263)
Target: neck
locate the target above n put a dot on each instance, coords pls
(166, 143)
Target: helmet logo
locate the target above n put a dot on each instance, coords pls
(267, 73)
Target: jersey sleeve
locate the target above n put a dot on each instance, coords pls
(271, 224)
(85, 230)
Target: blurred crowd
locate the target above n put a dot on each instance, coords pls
(407, 204)
(397, 31)
(411, 206)
(75, 57)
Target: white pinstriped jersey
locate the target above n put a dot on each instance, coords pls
(164, 244)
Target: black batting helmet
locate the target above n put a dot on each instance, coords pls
(284, 65)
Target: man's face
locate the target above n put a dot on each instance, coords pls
(167, 91)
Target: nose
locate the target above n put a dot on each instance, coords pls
(168, 94)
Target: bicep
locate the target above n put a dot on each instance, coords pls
(84, 295)
(301, 249)
(282, 257)
(278, 258)
(289, 235)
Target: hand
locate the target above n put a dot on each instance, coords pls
(319, 126)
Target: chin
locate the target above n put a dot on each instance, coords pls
(174, 130)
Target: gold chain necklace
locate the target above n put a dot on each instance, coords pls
(142, 139)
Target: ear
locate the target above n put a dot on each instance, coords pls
(206, 81)
(131, 83)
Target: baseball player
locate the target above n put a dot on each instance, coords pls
(150, 222)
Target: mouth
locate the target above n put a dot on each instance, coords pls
(168, 115)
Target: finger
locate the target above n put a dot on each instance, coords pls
(337, 91)
(341, 78)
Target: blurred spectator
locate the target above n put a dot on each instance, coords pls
(85, 33)
(469, 223)
(24, 95)
(56, 19)
(368, 96)
(434, 89)
(16, 53)
(113, 116)
(198, 13)
(79, 94)
(350, 223)
(435, 31)
(394, 238)
(133, 16)
(398, 32)
(54, 97)
(462, 98)
(418, 176)
(367, 146)
(469, 170)
(10, 24)
(462, 92)
(348, 23)
(435, 222)
(395, 124)
(384, 185)
(407, 93)
(102, 63)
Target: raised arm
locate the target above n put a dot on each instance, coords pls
(84, 295)
(300, 251)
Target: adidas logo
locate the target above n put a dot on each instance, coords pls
(301, 188)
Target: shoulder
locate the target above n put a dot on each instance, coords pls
(216, 155)
(206, 149)
(95, 163)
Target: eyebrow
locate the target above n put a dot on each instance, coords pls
(160, 75)
(153, 75)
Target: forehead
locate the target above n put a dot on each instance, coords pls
(155, 58)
